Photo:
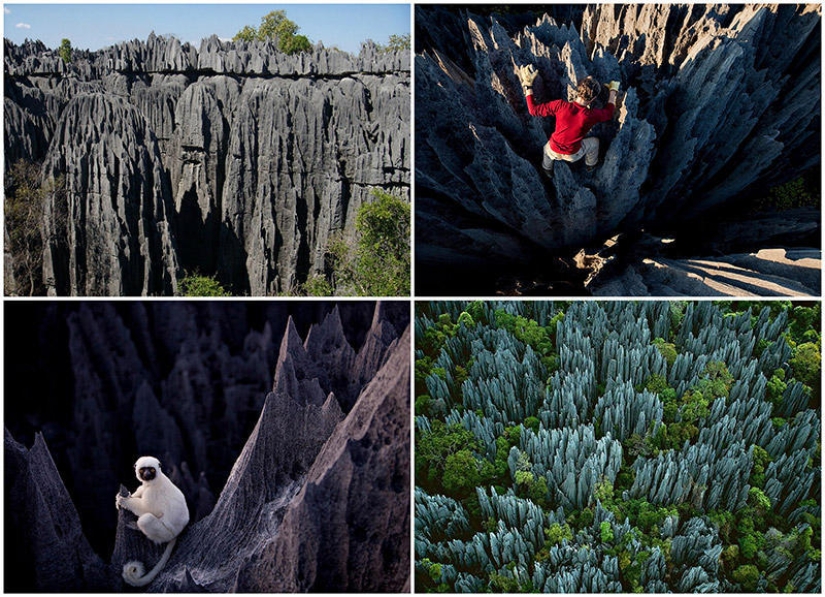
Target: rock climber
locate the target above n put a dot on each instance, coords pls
(573, 120)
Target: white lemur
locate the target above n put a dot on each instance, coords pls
(161, 511)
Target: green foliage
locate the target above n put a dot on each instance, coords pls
(23, 207)
(747, 576)
(396, 43)
(317, 286)
(274, 25)
(463, 472)
(379, 265)
(667, 349)
(658, 384)
(294, 44)
(526, 330)
(435, 448)
(604, 491)
(422, 405)
(532, 423)
(65, 50)
(606, 531)
(499, 583)
(776, 387)
(790, 195)
(806, 364)
(806, 323)
(524, 478)
(248, 33)
(760, 502)
(435, 336)
(199, 285)
(761, 460)
(558, 533)
(466, 319)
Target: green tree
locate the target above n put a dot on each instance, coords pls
(396, 43)
(463, 472)
(65, 51)
(806, 364)
(276, 26)
(747, 576)
(23, 205)
(248, 33)
(380, 263)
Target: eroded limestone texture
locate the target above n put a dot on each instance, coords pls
(718, 102)
(231, 158)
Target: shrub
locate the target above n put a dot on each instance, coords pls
(806, 364)
(198, 285)
(747, 576)
(606, 531)
(667, 349)
(379, 265)
(463, 472)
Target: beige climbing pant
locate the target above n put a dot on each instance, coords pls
(589, 149)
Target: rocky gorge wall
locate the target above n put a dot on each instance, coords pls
(230, 158)
(313, 459)
(718, 102)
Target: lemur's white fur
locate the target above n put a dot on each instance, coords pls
(161, 511)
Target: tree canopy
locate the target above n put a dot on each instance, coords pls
(276, 26)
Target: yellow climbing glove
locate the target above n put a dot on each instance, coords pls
(527, 74)
(613, 86)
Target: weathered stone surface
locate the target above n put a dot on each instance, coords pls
(256, 156)
(109, 232)
(318, 500)
(769, 272)
(362, 544)
(193, 384)
(46, 541)
(717, 103)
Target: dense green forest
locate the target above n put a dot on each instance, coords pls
(617, 447)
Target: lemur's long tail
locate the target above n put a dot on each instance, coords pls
(133, 572)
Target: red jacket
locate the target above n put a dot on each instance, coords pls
(573, 122)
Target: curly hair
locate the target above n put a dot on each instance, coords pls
(588, 89)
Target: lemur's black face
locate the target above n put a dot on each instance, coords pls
(147, 473)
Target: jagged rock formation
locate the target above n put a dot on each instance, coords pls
(46, 540)
(538, 467)
(187, 382)
(719, 102)
(230, 158)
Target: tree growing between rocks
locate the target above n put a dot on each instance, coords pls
(275, 26)
(378, 262)
(23, 208)
(65, 50)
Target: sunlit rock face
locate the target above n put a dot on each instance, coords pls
(231, 158)
(718, 104)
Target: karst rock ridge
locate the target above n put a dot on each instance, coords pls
(717, 102)
(230, 158)
(317, 500)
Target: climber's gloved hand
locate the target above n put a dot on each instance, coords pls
(613, 86)
(527, 74)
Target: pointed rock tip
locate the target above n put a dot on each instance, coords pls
(291, 341)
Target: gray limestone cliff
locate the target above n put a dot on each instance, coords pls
(718, 103)
(230, 159)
